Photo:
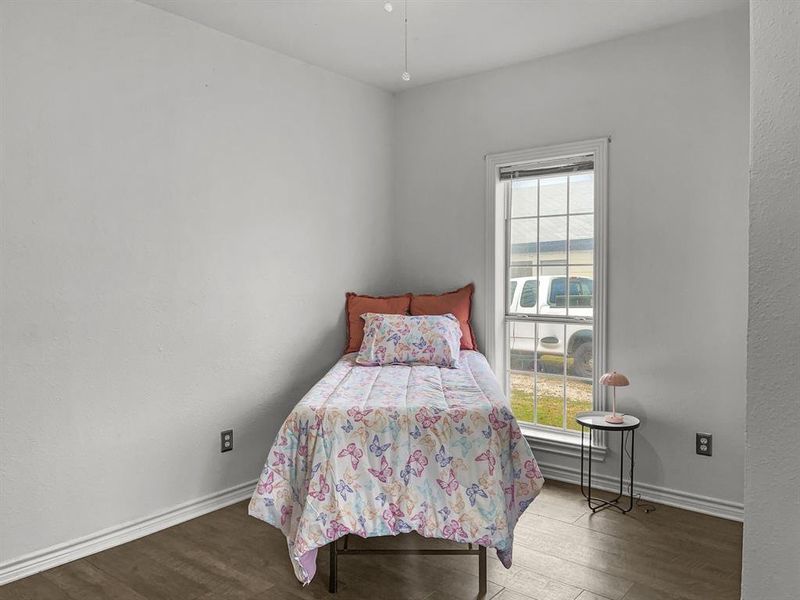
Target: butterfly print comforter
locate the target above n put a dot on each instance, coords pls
(377, 451)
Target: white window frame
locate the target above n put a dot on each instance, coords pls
(559, 442)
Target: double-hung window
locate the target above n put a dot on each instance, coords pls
(547, 275)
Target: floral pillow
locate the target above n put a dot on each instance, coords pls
(400, 339)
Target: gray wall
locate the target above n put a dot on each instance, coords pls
(771, 553)
(179, 212)
(676, 103)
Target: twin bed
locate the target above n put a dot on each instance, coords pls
(383, 450)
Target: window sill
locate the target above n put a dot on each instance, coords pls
(556, 442)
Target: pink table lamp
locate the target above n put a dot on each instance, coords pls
(614, 380)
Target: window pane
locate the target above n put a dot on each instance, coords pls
(553, 290)
(580, 364)
(579, 399)
(523, 242)
(581, 193)
(522, 384)
(522, 369)
(550, 401)
(516, 273)
(553, 196)
(558, 292)
(579, 351)
(550, 378)
(586, 271)
(512, 288)
(526, 300)
(522, 337)
(551, 271)
(528, 296)
(581, 291)
(553, 240)
(522, 266)
(581, 239)
(524, 197)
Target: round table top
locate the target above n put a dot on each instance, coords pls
(595, 419)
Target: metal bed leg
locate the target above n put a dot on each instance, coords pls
(333, 569)
(334, 550)
(482, 571)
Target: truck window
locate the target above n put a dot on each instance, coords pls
(529, 294)
(580, 292)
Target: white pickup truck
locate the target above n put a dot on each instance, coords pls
(547, 296)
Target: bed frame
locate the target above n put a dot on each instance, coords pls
(335, 552)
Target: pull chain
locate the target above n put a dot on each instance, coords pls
(406, 76)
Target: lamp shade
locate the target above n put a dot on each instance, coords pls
(614, 379)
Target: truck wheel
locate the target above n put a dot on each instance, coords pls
(582, 360)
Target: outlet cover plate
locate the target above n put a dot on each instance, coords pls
(226, 440)
(703, 444)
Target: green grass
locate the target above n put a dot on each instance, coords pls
(550, 409)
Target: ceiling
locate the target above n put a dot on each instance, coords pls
(447, 38)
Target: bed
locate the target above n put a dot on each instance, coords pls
(377, 451)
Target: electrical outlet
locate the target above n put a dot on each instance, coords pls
(703, 444)
(226, 440)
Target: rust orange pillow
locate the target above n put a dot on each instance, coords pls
(458, 303)
(356, 305)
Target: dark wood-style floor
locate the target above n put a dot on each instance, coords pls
(561, 552)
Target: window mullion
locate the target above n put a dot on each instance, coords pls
(538, 278)
(567, 311)
(521, 318)
(538, 243)
(564, 381)
(566, 256)
(535, 373)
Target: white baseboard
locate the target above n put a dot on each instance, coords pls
(716, 507)
(114, 536)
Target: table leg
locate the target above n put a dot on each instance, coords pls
(583, 431)
(590, 471)
(633, 449)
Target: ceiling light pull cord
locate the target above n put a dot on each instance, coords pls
(405, 76)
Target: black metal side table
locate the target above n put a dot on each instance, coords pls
(596, 420)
